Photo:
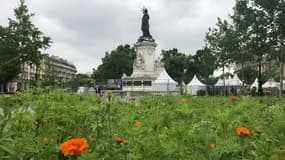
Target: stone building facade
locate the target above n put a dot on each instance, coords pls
(61, 69)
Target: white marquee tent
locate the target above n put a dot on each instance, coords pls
(124, 76)
(271, 84)
(195, 85)
(219, 83)
(235, 81)
(254, 84)
(164, 83)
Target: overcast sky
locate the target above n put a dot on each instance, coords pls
(83, 30)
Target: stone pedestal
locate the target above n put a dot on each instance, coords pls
(145, 69)
(144, 65)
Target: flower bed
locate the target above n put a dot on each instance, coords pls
(40, 125)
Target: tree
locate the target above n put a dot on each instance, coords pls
(9, 60)
(115, 64)
(249, 74)
(205, 62)
(274, 12)
(260, 28)
(30, 40)
(176, 65)
(260, 41)
(220, 42)
(241, 22)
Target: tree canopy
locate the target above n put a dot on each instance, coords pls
(20, 42)
(115, 64)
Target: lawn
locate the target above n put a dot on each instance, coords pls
(58, 125)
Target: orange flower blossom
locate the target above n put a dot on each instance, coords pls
(242, 131)
(184, 100)
(138, 123)
(234, 98)
(119, 140)
(74, 147)
(213, 146)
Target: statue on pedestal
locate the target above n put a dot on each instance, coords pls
(145, 28)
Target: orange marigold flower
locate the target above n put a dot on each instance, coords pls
(138, 123)
(74, 147)
(242, 131)
(184, 100)
(213, 146)
(119, 139)
(234, 98)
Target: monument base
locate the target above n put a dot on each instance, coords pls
(145, 69)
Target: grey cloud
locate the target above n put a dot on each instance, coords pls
(83, 30)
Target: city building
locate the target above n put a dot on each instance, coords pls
(50, 67)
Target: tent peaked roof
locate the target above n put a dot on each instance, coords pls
(164, 78)
(220, 82)
(124, 76)
(195, 82)
(255, 83)
(235, 81)
(271, 83)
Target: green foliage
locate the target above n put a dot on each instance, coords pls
(28, 36)
(219, 41)
(80, 80)
(34, 124)
(20, 42)
(115, 64)
(9, 60)
(205, 65)
(175, 64)
(249, 74)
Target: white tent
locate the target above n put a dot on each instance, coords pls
(124, 76)
(254, 84)
(164, 82)
(271, 84)
(195, 85)
(220, 83)
(235, 81)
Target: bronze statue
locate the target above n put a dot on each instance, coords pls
(145, 27)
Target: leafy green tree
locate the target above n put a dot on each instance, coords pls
(9, 59)
(274, 13)
(242, 56)
(30, 40)
(259, 27)
(115, 64)
(176, 65)
(220, 42)
(249, 73)
(205, 62)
